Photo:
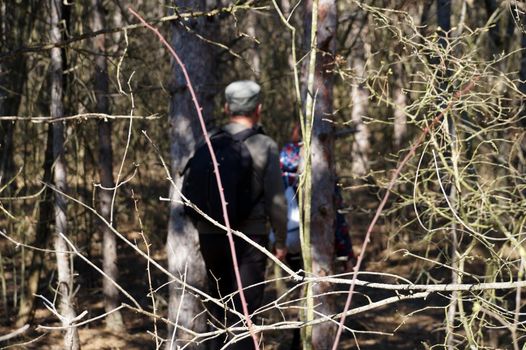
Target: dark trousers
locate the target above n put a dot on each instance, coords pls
(222, 281)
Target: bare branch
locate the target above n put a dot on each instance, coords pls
(78, 117)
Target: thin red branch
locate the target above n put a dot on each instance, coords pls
(216, 171)
(389, 188)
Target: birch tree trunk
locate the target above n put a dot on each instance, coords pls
(109, 242)
(64, 260)
(182, 244)
(323, 179)
(400, 118)
(255, 59)
(360, 100)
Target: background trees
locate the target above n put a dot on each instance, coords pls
(107, 184)
(393, 77)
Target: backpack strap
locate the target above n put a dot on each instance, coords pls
(242, 136)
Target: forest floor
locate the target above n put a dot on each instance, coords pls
(388, 327)
(402, 325)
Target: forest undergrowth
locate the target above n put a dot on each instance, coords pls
(407, 325)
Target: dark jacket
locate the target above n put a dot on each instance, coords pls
(266, 179)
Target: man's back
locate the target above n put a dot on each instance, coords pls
(267, 187)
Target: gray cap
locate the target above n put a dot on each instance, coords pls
(242, 96)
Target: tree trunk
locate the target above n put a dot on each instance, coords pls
(117, 21)
(495, 42)
(400, 118)
(12, 78)
(360, 100)
(183, 242)
(114, 320)
(6, 129)
(255, 60)
(65, 270)
(443, 19)
(323, 211)
(6, 143)
(42, 233)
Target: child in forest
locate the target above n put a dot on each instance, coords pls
(290, 159)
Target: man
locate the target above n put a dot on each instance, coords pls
(244, 109)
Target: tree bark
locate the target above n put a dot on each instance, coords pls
(400, 100)
(360, 101)
(255, 59)
(114, 320)
(14, 27)
(65, 270)
(443, 19)
(495, 42)
(323, 211)
(6, 128)
(182, 244)
(42, 234)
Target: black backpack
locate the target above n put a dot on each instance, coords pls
(235, 168)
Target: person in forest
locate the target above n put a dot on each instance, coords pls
(268, 205)
(290, 159)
